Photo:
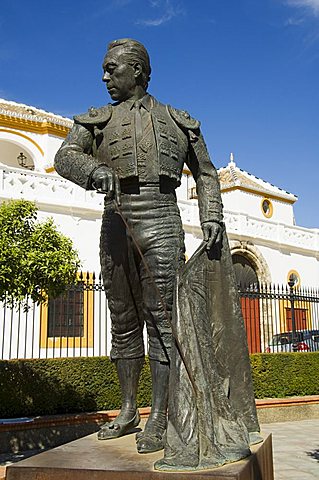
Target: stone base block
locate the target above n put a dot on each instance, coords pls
(90, 459)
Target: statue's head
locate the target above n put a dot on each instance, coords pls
(126, 66)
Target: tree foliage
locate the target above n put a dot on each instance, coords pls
(36, 260)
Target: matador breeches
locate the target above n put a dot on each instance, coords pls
(134, 296)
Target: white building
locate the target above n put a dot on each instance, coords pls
(266, 244)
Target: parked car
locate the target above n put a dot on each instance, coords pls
(306, 340)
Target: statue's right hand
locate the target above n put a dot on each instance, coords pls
(104, 180)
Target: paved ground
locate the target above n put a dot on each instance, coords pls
(295, 449)
(9, 458)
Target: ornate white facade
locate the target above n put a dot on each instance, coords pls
(259, 217)
(259, 220)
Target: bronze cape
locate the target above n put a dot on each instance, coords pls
(211, 402)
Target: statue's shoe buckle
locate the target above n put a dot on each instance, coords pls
(116, 429)
(148, 442)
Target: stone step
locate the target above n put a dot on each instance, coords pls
(89, 458)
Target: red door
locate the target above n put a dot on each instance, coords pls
(251, 313)
(300, 319)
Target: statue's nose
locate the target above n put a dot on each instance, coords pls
(106, 77)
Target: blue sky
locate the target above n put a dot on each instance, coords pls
(248, 69)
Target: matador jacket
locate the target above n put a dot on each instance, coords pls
(107, 136)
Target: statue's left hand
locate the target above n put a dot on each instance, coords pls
(105, 180)
(212, 233)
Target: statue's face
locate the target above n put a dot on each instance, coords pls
(118, 75)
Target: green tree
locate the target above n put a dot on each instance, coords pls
(36, 260)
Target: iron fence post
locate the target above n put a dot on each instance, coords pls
(291, 284)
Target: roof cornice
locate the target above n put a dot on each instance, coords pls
(288, 198)
(42, 126)
(31, 119)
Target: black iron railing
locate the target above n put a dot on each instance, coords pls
(275, 314)
(78, 323)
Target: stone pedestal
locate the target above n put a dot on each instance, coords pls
(90, 459)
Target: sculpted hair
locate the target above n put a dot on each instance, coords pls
(135, 51)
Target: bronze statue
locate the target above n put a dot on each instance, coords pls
(134, 150)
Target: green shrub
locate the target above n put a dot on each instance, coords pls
(278, 375)
(71, 385)
(66, 385)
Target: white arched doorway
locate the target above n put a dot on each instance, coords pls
(251, 270)
(256, 265)
(17, 150)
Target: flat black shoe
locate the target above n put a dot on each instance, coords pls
(148, 442)
(116, 429)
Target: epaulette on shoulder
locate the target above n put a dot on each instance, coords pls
(183, 118)
(94, 116)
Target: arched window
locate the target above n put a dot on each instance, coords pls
(15, 155)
